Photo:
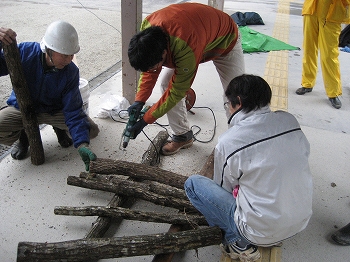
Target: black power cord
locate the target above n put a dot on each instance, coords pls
(195, 133)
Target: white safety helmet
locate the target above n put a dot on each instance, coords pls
(61, 37)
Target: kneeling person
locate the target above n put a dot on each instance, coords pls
(53, 83)
(261, 192)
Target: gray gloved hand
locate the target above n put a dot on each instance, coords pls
(86, 155)
(137, 105)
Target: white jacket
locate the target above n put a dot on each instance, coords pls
(266, 153)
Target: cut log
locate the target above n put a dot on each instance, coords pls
(207, 171)
(103, 248)
(125, 213)
(152, 157)
(138, 171)
(151, 186)
(123, 188)
(27, 108)
(165, 190)
(208, 168)
(168, 257)
(102, 224)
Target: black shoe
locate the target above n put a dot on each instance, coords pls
(335, 102)
(342, 236)
(63, 139)
(303, 90)
(20, 148)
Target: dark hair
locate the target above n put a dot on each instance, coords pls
(146, 48)
(254, 92)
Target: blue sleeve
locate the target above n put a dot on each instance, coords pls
(76, 119)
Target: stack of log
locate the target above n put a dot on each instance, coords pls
(129, 181)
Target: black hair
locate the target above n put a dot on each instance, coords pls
(251, 91)
(146, 48)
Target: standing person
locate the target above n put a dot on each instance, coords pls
(176, 39)
(53, 83)
(261, 192)
(322, 27)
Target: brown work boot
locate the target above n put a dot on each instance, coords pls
(172, 147)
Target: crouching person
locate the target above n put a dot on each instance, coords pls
(261, 193)
(53, 83)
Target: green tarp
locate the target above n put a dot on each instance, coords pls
(253, 41)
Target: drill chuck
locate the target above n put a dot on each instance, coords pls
(125, 143)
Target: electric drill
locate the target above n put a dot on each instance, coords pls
(133, 118)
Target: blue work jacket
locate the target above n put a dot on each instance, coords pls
(52, 91)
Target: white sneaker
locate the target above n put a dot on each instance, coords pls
(248, 254)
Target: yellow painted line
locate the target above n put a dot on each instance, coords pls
(276, 69)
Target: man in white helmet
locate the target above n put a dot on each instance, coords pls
(53, 82)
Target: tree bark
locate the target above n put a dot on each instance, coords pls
(208, 168)
(103, 248)
(27, 108)
(135, 170)
(152, 156)
(207, 171)
(151, 186)
(101, 225)
(167, 257)
(125, 213)
(137, 191)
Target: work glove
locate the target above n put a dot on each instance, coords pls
(137, 128)
(137, 105)
(86, 155)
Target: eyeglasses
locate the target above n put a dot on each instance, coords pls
(227, 104)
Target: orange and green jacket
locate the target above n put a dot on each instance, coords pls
(336, 11)
(198, 33)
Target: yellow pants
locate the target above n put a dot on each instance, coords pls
(322, 36)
